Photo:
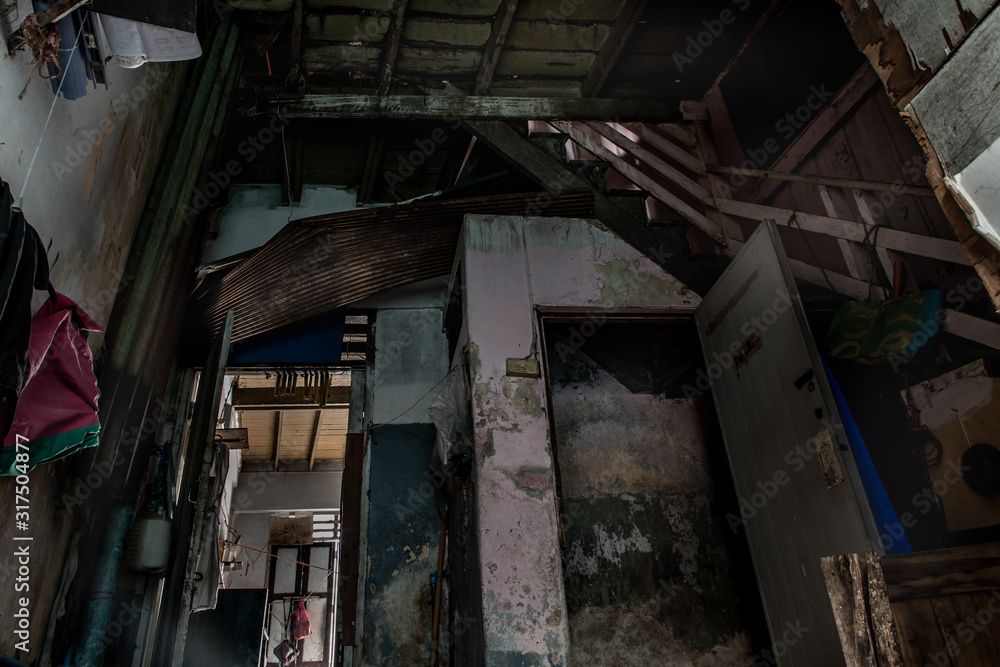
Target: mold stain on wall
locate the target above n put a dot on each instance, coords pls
(653, 575)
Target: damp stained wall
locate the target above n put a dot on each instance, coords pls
(94, 168)
(402, 531)
(511, 265)
(649, 558)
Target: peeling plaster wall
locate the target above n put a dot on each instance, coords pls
(649, 561)
(511, 265)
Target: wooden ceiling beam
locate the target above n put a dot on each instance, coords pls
(392, 47)
(451, 107)
(315, 440)
(612, 48)
(277, 439)
(665, 249)
(494, 46)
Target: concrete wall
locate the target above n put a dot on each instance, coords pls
(255, 214)
(402, 529)
(93, 170)
(511, 266)
(649, 562)
(257, 496)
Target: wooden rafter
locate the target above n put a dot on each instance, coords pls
(833, 181)
(594, 144)
(438, 107)
(665, 250)
(494, 46)
(612, 48)
(277, 439)
(843, 101)
(392, 47)
(651, 136)
(642, 154)
(894, 239)
(315, 439)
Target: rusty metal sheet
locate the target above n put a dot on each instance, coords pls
(319, 264)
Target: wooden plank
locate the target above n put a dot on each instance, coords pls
(856, 89)
(970, 641)
(632, 173)
(315, 440)
(277, 439)
(615, 136)
(604, 61)
(248, 397)
(845, 586)
(438, 107)
(682, 133)
(494, 47)
(832, 181)
(919, 634)
(942, 571)
(852, 253)
(973, 328)
(666, 251)
(392, 47)
(958, 107)
(661, 143)
(925, 246)
(350, 535)
(880, 616)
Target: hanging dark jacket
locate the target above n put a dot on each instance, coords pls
(24, 267)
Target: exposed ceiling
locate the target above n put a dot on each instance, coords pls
(304, 422)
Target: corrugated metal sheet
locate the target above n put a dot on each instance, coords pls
(318, 264)
(758, 352)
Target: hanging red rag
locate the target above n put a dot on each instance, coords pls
(301, 628)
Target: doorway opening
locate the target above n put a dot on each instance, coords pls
(649, 559)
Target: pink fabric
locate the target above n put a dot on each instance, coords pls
(61, 392)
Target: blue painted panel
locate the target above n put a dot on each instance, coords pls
(316, 341)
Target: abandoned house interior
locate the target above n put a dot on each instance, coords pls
(467, 333)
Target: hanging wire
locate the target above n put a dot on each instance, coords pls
(16, 206)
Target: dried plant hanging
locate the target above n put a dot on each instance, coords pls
(43, 40)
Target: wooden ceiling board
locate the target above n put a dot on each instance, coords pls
(562, 37)
(341, 58)
(383, 5)
(434, 31)
(346, 27)
(566, 64)
(437, 62)
(456, 7)
(569, 10)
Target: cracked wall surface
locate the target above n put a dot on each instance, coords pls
(649, 559)
(513, 265)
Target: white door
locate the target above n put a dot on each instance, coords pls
(798, 486)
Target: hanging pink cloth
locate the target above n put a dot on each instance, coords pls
(56, 411)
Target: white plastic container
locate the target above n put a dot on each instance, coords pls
(149, 546)
(135, 43)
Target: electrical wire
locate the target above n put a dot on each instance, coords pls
(793, 221)
(400, 415)
(16, 206)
